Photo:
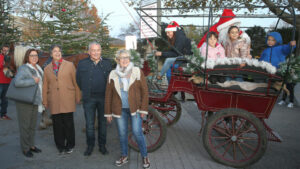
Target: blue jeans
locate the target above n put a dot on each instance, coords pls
(168, 63)
(4, 101)
(136, 125)
(90, 106)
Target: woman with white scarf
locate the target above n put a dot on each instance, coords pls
(29, 74)
(126, 97)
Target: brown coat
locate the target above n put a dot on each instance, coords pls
(61, 92)
(137, 94)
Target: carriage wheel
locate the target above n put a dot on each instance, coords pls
(235, 137)
(154, 129)
(169, 111)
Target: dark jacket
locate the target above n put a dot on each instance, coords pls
(88, 74)
(279, 51)
(182, 44)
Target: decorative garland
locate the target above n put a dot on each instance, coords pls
(211, 63)
(293, 75)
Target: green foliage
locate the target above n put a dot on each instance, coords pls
(60, 22)
(9, 33)
(102, 37)
(136, 58)
(194, 61)
(152, 63)
(258, 40)
(293, 73)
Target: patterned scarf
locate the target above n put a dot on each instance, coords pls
(56, 66)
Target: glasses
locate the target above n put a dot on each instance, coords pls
(33, 55)
(124, 58)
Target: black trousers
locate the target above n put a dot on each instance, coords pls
(290, 87)
(64, 131)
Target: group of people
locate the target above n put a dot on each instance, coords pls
(121, 93)
(225, 39)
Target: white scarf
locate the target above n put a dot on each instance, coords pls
(123, 74)
(41, 108)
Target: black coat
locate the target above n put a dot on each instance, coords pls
(182, 44)
(85, 77)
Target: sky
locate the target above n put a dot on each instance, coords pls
(118, 18)
(121, 18)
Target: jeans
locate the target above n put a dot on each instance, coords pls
(290, 87)
(90, 106)
(136, 125)
(168, 63)
(4, 101)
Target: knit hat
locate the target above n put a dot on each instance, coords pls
(173, 26)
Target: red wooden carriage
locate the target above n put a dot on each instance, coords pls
(235, 133)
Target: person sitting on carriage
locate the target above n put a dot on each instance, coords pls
(275, 54)
(179, 41)
(215, 50)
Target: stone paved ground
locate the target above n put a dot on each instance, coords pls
(183, 148)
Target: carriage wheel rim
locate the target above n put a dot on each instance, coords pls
(234, 140)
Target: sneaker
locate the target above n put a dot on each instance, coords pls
(290, 105)
(5, 117)
(146, 162)
(282, 102)
(121, 161)
(61, 152)
(69, 151)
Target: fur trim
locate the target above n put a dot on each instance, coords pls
(171, 29)
(135, 75)
(227, 24)
(143, 112)
(210, 64)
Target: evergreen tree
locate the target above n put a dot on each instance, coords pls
(102, 37)
(62, 22)
(9, 33)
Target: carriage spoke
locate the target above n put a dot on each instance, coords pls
(233, 124)
(220, 137)
(222, 144)
(225, 125)
(247, 131)
(234, 150)
(242, 150)
(248, 138)
(248, 146)
(240, 126)
(221, 130)
(226, 149)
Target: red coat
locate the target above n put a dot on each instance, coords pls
(3, 79)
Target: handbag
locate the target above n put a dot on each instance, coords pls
(21, 94)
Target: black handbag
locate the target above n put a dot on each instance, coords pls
(21, 94)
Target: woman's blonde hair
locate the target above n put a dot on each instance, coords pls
(19, 55)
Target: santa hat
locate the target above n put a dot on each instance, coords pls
(226, 20)
(173, 26)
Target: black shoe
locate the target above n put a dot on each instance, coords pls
(35, 150)
(28, 153)
(88, 151)
(103, 150)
